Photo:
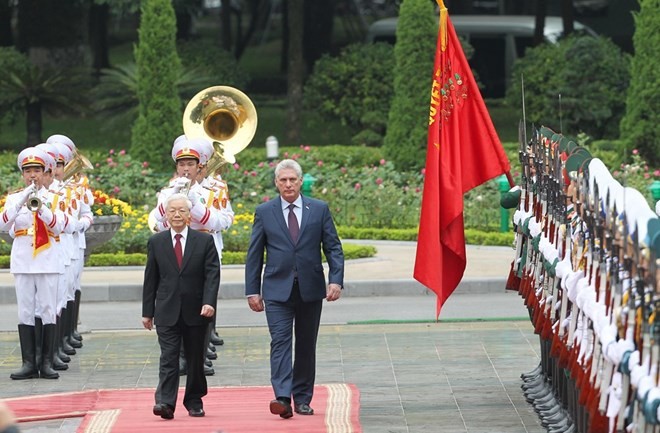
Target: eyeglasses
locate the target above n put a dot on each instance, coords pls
(182, 211)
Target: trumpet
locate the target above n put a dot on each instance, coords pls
(34, 202)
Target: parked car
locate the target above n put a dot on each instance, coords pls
(498, 40)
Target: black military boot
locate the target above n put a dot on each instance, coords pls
(76, 344)
(66, 319)
(46, 370)
(76, 315)
(215, 338)
(60, 337)
(58, 363)
(28, 353)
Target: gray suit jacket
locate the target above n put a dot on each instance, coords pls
(284, 259)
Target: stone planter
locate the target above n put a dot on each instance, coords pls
(103, 229)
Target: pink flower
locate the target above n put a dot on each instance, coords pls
(145, 164)
(261, 164)
(379, 181)
(271, 164)
(116, 189)
(122, 152)
(306, 148)
(265, 198)
(382, 162)
(417, 189)
(343, 170)
(635, 151)
(109, 160)
(245, 172)
(616, 173)
(656, 173)
(236, 166)
(286, 154)
(319, 163)
(357, 186)
(97, 164)
(127, 164)
(423, 171)
(646, 175)
(253, 173)
(111, 151)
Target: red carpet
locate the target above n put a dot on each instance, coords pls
(228, 410)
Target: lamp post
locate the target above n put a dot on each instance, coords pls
(272, 148)
(503, 186)
(308, 183)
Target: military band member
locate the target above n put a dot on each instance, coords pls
(83, 199)
(36, 222)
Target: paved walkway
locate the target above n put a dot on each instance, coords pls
(414, 374)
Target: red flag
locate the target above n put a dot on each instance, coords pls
(463, 151)
(41, 239)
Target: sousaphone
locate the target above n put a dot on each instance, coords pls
(226, 117)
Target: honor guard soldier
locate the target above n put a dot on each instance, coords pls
(82, 199)
(217, 196)
(33, 217)
(65, 246)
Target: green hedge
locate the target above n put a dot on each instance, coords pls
(351, 251)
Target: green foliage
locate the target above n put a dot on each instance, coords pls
(641, 124)
(118, 174)
(390, 234)
(637, 174)
(159, 67)
(118, 259)
(354, 87)
(11, 61)
(10, 176)
(215, 65)
(405, 140)
(591, 75)
(478, 237)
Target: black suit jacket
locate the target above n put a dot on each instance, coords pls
(169, 292)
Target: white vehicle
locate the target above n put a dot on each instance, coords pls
(498, 40)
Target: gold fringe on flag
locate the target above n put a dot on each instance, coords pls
(443, 25)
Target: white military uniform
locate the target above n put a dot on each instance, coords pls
(35, 271)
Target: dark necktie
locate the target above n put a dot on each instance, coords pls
(293, 224)
(178, 250)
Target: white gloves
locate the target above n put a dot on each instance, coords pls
(25, 195)
(180, 183)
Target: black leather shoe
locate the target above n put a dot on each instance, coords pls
(208, 371)
(304, 409)
(164, 411)
(281, 408)
(196, 412)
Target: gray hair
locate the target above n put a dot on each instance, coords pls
(178, 196)
(288, 164)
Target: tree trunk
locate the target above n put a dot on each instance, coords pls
(33, 123)
(567, 16)
(296, 70)
(318, 24)
(284, 58)
(539, 22)
(99, 14)
(225, 25)
(6, 37)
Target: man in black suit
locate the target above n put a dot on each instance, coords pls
(292, 229)
(180, 290)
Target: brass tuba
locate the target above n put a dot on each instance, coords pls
(225, 116)
(75, 166)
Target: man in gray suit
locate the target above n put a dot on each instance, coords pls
(292, 230)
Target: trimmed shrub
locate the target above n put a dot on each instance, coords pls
(591, 75)
(405, 140)
(354, 87)
(159, 113)
(641, 125)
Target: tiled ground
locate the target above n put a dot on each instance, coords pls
(413, 378)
